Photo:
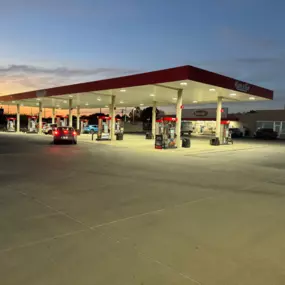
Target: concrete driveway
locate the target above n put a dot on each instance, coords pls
(95, 214)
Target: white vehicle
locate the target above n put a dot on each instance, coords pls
(186, 128)
(48, 128)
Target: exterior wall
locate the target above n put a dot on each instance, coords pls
(133, 128)
(250, 120)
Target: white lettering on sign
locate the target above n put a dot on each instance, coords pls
(243, 87)
(200, 113)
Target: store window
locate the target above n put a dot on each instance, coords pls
(268, 125)
(283, 127)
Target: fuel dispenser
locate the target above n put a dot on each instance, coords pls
(104, 128)
(11, 122)
(83, 124)
(61, 121)
(225, 132)
(165, 136)
(119, 129)
(119, 126)
(32, 124)
(225, 135)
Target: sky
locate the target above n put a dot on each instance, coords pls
(46, 43)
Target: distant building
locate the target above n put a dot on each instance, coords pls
(204, 120)
(273, 119)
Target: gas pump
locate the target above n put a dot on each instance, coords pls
(11, 124)
(32, 124)
(165, 136)
(104, 128)
(83, 124)
(61, 121)
(64, 123)
(119, 126)
(225, 133)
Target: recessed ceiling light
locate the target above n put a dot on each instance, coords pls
(64, 101)
(151, 95)
(195, 101)
(13, 102)
(121, 102)
(251, 98)
(183, 83)
(99, 99)
(86, 104)
(70, 96)
(174, 98)
(141, 104)
(39, 99)
(233, 94)
(123, 90)
(212, 89)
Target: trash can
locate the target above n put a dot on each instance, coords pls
(186, 143)
(148, 136)
(119, 136)
(214, 141)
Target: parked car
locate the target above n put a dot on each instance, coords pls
(90, 129)
(236, 132)
(64, 134)
(186, 128)
(49, 128)
(264, 133)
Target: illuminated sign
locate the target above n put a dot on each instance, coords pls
(200, 113)
(242, 87)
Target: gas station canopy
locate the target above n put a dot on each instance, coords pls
(199, 86)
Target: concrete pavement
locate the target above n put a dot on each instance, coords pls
(95, 214)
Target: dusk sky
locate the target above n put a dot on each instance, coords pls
(45, 43)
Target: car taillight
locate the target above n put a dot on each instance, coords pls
(55, 133)
(74, 133)
(66, 132)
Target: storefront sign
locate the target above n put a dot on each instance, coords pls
(242, 87)
(205, 113)
(201, 113)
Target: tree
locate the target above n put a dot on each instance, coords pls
(146, 114)
(93, 118)
(135, 114)
(125, 118)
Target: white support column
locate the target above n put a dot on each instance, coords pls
(153, 119)
(112, 114)
(218, 118)
(40, 118)
(78, 118)
(70, 113)
(18, 118)
(53, 115)
(178, 116)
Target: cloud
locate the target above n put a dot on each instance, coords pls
(19, 78)
(261, 60)
(234, 38)
(60, 71)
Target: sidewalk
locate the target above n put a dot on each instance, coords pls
(139, 143)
